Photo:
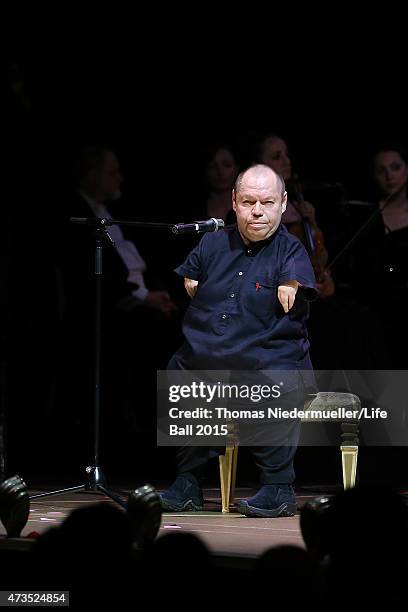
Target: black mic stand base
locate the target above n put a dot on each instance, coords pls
(95, 482)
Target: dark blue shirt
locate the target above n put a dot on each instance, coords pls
(235, 320)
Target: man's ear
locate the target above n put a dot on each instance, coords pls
(234, 201)
(284, 202)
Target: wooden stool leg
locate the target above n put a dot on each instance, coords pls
(228, 471)
(234, 473)
(349, 455)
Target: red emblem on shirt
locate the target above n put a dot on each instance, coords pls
(257, 286)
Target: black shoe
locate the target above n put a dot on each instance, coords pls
(183, 495)
(271, 501)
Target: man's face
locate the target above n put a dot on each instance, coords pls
(107, 177)
(275, 154)
(259, 204)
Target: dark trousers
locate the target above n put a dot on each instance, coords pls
(274, 461)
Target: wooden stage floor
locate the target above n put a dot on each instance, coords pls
(230, 535)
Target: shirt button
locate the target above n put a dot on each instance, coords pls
(240, 273)
(224, 316)
(249, 251)
(232, 294)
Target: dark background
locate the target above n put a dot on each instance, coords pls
(159, 104)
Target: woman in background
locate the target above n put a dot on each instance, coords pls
(391, 175)
(221, 170)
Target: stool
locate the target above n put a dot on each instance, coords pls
(348, 446)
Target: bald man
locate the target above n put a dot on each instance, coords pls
(250, 286)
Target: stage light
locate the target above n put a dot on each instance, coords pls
(144, 511)
(314, 521)
(14, 505)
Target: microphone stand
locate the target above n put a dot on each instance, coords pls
(95, 480)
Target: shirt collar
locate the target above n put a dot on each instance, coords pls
(254, 247)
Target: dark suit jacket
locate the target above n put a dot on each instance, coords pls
(77, 263)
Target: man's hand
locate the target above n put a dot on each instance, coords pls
(191, 286)
(287, 294)
(161, 301)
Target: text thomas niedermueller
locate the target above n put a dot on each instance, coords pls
(278, 413)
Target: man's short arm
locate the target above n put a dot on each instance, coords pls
(297, 268)
(287, 294)
(191, 286)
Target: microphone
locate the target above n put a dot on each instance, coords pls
(199, 227)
